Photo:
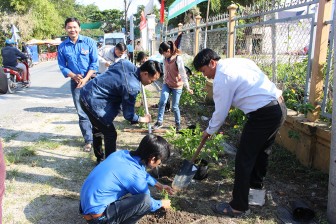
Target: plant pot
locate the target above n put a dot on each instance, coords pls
(202, 170)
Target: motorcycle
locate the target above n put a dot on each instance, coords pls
(14, 78)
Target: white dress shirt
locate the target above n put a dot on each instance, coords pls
(106, 54)
(240, 83)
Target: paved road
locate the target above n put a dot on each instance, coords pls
(36, 111)
(48, 87)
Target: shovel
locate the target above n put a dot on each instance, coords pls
(185, 175)
(146, 107)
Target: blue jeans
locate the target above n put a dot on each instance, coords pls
(127, 210)
(176, 95)
(84, 122)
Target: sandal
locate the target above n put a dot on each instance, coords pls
(220, 207)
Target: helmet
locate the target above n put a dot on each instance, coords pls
(9, 41)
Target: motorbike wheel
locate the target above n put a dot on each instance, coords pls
(3, 82)
(12, 85)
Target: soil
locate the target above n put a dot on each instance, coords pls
(43, 187)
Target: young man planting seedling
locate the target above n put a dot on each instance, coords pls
(117, 191)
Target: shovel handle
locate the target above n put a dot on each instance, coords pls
(146, 107)
(198, 150)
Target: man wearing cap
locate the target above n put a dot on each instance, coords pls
(10, 54)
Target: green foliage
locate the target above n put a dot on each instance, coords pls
(113, 18)
(19, 156)
(293, 78)
(238, 118)
(189, 140)
(293, 134)
(197, 83)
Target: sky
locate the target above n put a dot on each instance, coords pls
(118, 4)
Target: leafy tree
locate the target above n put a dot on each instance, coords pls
(112, 18)
(40, 16)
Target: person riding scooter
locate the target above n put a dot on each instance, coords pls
(10, 54)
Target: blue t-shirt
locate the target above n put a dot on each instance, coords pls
(79, 57)
(119, 174)
(130, 48)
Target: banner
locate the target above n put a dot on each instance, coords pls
(180, 6)
(143, 21)
(162, 12)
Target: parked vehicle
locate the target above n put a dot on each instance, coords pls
(114, 38)
(14, 78)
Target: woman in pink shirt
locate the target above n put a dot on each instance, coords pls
(174, 79)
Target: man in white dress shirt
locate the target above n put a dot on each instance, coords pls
(240, 83)
(108, 55)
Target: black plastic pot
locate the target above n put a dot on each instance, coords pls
(202, 170)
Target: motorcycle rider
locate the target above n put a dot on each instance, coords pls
(10, 54)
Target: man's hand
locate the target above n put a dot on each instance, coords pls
(107, 64)
(162, 187)
(82, 82)
(168, 189)
(191, 91)
(77, 78)
(166, 203)
(146, 119)
(205, 135)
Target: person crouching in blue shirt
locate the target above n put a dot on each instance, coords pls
(116, 191)
(102, 97)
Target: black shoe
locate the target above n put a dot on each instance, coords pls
(157, 125)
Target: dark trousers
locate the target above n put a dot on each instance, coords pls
(251, 162)
(127, 210)
(99, 128)
(130, 56)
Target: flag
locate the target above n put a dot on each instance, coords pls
(143, 21)
(149, 8)
(162, 12)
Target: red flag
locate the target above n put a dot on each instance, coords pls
(162, 12)
(143, 21)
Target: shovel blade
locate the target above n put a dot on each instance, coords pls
(184, 176)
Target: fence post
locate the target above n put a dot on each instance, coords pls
(331, 208)
(179, 28)
(320, 57)
(197, 31)
(231, 24)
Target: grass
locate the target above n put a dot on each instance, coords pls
(11, 136)
(16, 157)
(45, 143)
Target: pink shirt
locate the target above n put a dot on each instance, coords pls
(2, 179)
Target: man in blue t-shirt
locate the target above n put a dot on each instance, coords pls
(130, 50)
(116, 191)
(78, 59)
